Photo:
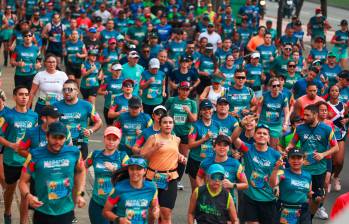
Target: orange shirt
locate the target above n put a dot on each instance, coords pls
(166, 158)
(305, 101)
(255, 42)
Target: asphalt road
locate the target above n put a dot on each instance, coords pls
(180, 211)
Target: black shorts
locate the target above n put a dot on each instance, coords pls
(83, 147)
(41, 218)
(329, 165)
(12, 173)
(24, 81)
(258, 211)
(108, 121)
(89, 92)
(73, 69)
(167, 197)
(184, 139)
(318, 185)
(192, 167)
(2, 149)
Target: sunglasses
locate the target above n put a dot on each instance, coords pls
(68, 90)
(240, 77)
(146, 51)
(291, 66)
(128, 85)
(223, 143)
(159, 112)
(288, 49)
(28, 35)
(217, 177)
(274, 86)
(184, 89)
(112, 43)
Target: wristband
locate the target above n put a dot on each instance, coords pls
(26, 195)
(91, 131)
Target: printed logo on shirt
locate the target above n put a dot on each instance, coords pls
(56, 163)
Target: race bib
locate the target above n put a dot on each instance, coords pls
(57, 37)
(289, 216)
(206, 150)
(180, 119)
(136, 215)
(272, 116)
(74, 130)
(309, 158)
(50, 99)
(58, 189)
(72, 57)
(104, 186)
(91, 81)
(161, 180)
(257, 180)
(26, 68)
(130, 140)
(152, 93)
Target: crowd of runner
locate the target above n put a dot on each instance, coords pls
(257, 122)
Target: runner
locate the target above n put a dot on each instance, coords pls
(62, 173)
(76, 114)
(133, 199)
(318, 142)
(162, 152)
(295, 189)
(105, 163)
(211, 203)
(13, 127)
(3, 110)
(132, 123)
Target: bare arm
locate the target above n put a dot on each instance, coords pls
(192, 207)
(32, 94)
(205, 93)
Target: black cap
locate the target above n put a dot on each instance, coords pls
(135, 102)
(222, 99)
(344, 22)
(184, 58)
(295, 152)
(344, 74)
(295, 118)
(50, 111)
(209, 46)
(57, 129)
(222, 138)
(205, 104)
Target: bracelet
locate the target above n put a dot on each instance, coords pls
(91, 131)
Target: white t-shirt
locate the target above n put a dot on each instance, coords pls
(50, 85)
(104, 15)
(213, 38)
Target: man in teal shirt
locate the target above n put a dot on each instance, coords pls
(60, 184)
(132, 70)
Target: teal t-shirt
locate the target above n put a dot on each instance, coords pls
(114, 88)
(28, 55)
(13, 127)
(272, 109)
(72, 49)
(240, 99)
(53, 174)
(91, 80)
(152, 95)
(134, 73)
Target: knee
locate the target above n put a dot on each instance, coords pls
(165, 214)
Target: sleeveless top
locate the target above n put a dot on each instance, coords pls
(305, 101)
(213, 96)
(211, 209)
(165, 159)
(336, 115)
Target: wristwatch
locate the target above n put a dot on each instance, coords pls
(81, 193)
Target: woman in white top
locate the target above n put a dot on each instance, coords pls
(214, 91)
(49, 83)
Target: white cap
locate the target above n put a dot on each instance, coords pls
(154, 63)
(159, 107)
(133, 54)
(255, 55)
(116, 67)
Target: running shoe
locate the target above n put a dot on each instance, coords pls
(321, 213)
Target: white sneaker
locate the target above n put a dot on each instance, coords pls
(180, 186)
(337, 184)
(321, 213)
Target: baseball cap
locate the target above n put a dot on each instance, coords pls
(344, 74)
(112, 130)
(210, 24)
(295, 152)
(255, 55)
(298, 23)
(154, 63)
(222, 138)
(138, 161)
(57, 129)
(222, 99)
(93, 52)
(92, 30)
(205, 104)
(51, 111)
(134, 102)
(98, 19)
(331, 54)
(216, 79)
(120, 37)
(295, 118)
(216, 168)
(184, 58)
(112, 40)
(264, 126)
(184, 85)
(344, 22)
(159, 107)
(116, 67)
(133, 54)
(316, 62)
(209, 46)
(82, 11)
(128, 81)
